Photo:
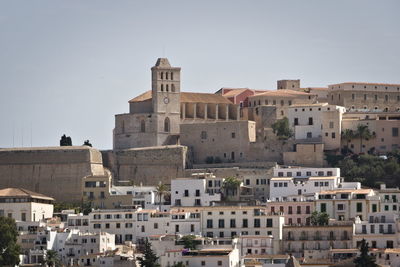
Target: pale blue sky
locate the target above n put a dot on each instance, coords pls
(69, 66)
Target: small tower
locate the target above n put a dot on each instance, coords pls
(289, 84)
(166, 87)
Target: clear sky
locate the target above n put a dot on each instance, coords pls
(70, 66)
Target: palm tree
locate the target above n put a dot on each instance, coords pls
(363, 132)
(52, 259)
(230, 185)
(161, 191)
(347, 135)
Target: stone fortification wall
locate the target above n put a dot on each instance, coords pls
(53, 171)
(148, 165)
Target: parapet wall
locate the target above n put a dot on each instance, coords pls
(148, 165)
(53, 171)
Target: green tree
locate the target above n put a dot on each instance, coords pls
(364, 259)
(319, 218)
(281, 129)
(363, 133)
(87, 143)
(231, 185)
(189, 241)
(347, 135)
(161, 191)
(52, 259)
(149, 258)
(65, 141)
(86, 207)
(9, 249)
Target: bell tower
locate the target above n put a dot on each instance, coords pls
(166, 87)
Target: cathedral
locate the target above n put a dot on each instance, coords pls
(155, 117)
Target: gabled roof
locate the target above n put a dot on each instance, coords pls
(282, 92)
(188, 98)
(20, 192)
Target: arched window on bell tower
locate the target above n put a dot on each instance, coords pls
(172, 75)
(166, 75)
(162, 87)
(166, 125)
(166, 87)
(142, 126)
(162, 75)
(172, 88)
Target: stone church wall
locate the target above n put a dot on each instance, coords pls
(148, 165)
(53, 171)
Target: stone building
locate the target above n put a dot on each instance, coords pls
(384, 127)
(155, 116)
(53, 171)
(365, 96)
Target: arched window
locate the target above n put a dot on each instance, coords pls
(166, 87)
(172, 88)
(162, 87)
(142, 126)
(172, 75)
(162, 75)
(166, 75)
(166, 125)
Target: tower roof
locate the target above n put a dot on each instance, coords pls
(163, 62)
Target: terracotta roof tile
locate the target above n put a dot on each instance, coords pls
(188, 98)
(20, 192)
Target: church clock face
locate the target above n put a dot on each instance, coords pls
(166, 100)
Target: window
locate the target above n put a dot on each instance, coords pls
(331, 124)
(308, 210)
(340, 206)
(221, 223)
(310, 121)
(177, 228)
(192, 228)
(353, 96)
(203, 263)
(309, 135)
(257, 223)
(233, 135)
(142, 126)
(395, 132)
(233, 223)
(23, 216)
(209, 223)
(172, 75)
(162, 87)
(269, 223)
(186, 194)
(244, 223)
(219, 263)
(203, 135)
(323, 207)
(359, 207)
(333, 135)
(374, 208)
(166, 125)
(298, 209)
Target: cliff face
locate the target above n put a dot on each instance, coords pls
(53, 171)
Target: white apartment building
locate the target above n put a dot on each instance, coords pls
(70, 245)
(319, 121)
(293, 181)
(231, 221)
(389, 199)
(151, 222)
(78, 221)
(119, 222)
(347, 204)
(379, 229)
(190, 192)
(24, 205)
(187, 222)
